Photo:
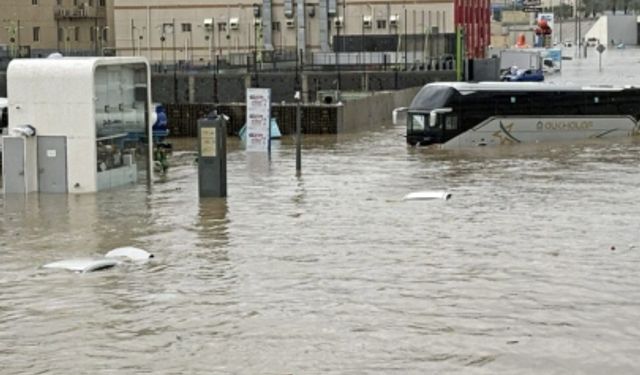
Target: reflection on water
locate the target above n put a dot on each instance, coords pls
(331, 272)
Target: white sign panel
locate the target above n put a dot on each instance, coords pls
(258, 114)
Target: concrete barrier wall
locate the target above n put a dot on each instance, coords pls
(362, 114)
(374, 111)
(199, 88)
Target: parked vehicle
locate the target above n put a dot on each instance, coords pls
(592, 42)
(460, 114)
(523, 75)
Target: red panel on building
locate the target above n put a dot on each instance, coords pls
(474, 18)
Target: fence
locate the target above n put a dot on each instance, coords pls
(316, 119)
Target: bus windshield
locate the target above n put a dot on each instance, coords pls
(417, 122)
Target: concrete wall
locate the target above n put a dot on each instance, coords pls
(374, 111)
(364, 114)
(516, 17)
(599, 31)
(231, 87)
(620, 28)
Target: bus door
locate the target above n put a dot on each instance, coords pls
(437, 124)
(450, 126)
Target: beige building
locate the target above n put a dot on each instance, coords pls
(197, 31)
(39, 27)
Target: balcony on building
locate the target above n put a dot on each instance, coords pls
(78, 12)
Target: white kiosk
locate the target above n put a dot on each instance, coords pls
(77, 125)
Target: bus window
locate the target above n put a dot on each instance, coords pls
(417, 122)
(451, 122)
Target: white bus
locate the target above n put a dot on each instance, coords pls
(458, 114)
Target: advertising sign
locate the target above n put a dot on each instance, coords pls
(257, 122)
(547, 17)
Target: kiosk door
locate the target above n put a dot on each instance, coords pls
(52, 164)
(13, 165)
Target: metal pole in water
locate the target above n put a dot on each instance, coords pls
(298, 97)
(600, 62)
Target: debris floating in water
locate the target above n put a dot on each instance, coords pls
(111, 259)
(427, 195)
(82, 265)
(129, 252)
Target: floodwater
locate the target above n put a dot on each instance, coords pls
(531, 267)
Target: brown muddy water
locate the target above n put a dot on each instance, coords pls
(331, 272)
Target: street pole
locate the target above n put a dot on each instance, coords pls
(133, 42)
(298, 98)
(162, 39)
(459, 31)
(335, 48)
(175, 62)
(405, 40)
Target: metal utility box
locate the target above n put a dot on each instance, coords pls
(91, 122)
(212, 156)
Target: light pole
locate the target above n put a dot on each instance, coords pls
(69, 28)
(13, 32)
(100, 31)
(162, 40)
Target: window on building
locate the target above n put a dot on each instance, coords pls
(382, 24)
(76, 32)
(105, 33)
(222, 26)
(61, 35)
(167, 28)
(186, 27)
(90, 3)
(92, 34)
(59, 2)
(34, 2)
(75, 3)
(36, 34)
(275, 26)
(102, 3)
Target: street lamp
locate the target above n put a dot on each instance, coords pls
(162, 40)
(13, 31)
(100, 31)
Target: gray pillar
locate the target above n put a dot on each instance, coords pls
(266, 25)
(212, 156)
(191, 89)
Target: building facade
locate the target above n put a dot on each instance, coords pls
(72, 27)
(199, 31)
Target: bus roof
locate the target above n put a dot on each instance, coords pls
(469, 88)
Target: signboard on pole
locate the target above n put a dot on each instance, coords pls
(258, 120)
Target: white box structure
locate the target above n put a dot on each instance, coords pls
(94, 110)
